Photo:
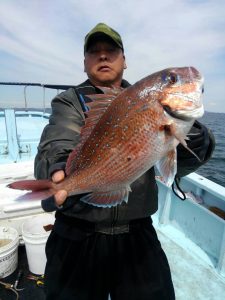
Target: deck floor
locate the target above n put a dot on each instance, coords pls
(193, 279)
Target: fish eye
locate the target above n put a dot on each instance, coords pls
(172, 78)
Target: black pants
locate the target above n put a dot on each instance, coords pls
(128, 266)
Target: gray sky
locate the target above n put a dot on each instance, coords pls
(42, 41)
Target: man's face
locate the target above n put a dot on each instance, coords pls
(104, 64)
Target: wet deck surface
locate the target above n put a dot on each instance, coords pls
(193, 279)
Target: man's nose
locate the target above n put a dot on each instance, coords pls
(103, 55)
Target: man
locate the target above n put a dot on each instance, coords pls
(92, 251)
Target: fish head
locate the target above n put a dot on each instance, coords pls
(181, 93)
(178, 90)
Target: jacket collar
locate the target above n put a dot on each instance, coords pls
(87, 87)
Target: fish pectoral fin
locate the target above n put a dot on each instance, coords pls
(181, 138)
(184, 144)
(108, 198)
(167, 167)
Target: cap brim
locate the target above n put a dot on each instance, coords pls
(100, 36)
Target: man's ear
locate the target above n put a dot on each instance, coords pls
(125, 64)
(84, 66)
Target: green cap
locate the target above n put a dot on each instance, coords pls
(103, 29)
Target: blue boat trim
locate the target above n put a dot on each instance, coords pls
(19, 142)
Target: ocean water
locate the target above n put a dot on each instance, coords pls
(214, 169)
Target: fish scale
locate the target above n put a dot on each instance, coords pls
(126, 132)
(119, 150)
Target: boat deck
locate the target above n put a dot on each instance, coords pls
(192, 277)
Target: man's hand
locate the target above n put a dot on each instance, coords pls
(201, 142)
(61, 195)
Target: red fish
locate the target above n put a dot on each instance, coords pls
(126, 133)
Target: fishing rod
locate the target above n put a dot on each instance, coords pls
(50, 86)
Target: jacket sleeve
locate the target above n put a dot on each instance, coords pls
(61, 135)
(202, 142)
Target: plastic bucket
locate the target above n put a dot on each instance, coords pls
(35, 238)
(9, 241)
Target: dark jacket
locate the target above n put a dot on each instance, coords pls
(61, 136)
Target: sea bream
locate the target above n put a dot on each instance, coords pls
(126, 133)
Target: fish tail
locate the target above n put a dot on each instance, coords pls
(31, 185)
(39, 189)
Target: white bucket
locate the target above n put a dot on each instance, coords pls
(9, 241)
(35, 238)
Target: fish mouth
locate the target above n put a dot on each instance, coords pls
(185, 108)
(174, 114)
(185, 115)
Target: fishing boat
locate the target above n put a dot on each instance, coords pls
(191, 231)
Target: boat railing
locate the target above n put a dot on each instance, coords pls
(200, 218)
(20, 135)
(21, 127)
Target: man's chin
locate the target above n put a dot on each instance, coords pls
(107, 80)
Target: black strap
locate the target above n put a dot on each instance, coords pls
(176, 181)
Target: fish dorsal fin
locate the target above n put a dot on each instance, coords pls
(99, 104)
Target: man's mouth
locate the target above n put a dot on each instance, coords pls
(104, 68)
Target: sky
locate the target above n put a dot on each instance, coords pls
(42, 41)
